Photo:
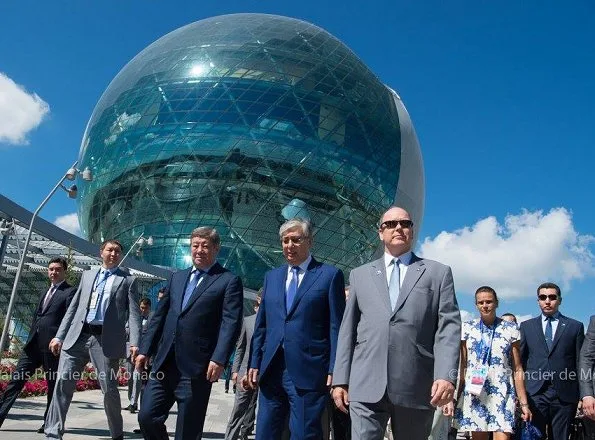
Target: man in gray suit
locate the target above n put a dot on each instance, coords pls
(94, 328)
(587, 371)
(398, 349)
(241, 421)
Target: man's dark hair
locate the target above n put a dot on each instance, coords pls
(550, 286)
(487, 289)
(112, 241)
(61, 261)
(146, 301)
(509, 314)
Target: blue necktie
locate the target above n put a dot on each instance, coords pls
(394, 285)
(293, 287)
(192, 283)
(549, 339)
(100, 288)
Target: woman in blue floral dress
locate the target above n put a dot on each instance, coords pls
(491, 375)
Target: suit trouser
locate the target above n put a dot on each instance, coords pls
(28, 363)
(72, 362)
(549, 410)
(134, 383)
(369, 421)
(278, 396)
(166, 387)
(242, 416)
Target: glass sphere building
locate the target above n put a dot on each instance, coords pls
(240, 122)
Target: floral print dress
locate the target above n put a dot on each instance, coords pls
(493, 409)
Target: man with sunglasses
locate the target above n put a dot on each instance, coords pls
(295, 339)
(550, 349)
(398, 350)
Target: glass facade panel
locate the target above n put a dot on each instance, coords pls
(240, 122)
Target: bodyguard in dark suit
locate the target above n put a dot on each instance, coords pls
(550, 348)
(191, 337)
(36, 352)
(295, 338)
(587, 371)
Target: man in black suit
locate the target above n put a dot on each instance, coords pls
(191, 337)
(550, 349)
(36, 352)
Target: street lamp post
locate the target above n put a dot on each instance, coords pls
(141, 241)
(70, 175)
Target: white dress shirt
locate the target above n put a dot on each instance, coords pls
(303, 267)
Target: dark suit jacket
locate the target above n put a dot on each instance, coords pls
(587, 362)
(205, 330)
(560, 365)
(45, 323)
(310, 329)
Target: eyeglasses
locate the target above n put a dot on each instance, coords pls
(392, 224)
(551, 297)
(294, 240)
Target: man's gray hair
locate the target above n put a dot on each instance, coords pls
(207, 232)
(304, 225)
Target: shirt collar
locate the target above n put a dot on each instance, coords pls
(304, 266)
(110, 271)
(194, 269)
(555, 317)
(403, 258)
(55, 286)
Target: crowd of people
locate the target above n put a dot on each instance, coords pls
(318, 359)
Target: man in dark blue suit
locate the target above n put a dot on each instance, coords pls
(550, 349)
(191, 337)
(295, 339)
(36, 352)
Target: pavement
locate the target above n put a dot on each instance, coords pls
(86, 418)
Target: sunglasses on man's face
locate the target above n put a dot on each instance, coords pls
(392, 224)
(551, 297)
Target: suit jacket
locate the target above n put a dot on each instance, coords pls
(587, 362)
(122, 307)
(206, 330)
(46, 322)
(560, 365)
(240, 360)
(308, 332)
(401, 352)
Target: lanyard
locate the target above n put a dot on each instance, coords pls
(485, 350)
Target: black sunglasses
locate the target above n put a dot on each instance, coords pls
(551, 297)
(392, 224)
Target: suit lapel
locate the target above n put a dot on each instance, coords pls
(207, 279)
(179, 288)
(538, 331)
(118, 279)
(88, 286)
(378, 275)
(58, 292)
(310, 277)
(414, 272)
(562, 321)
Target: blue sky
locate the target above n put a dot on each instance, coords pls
(501, 95)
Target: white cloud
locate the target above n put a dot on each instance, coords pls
(20, 111)
(69, 222)
(517, 256)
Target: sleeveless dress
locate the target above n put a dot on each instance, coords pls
(493, 410)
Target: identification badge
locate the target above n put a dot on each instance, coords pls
(478, 378)
(94, 298)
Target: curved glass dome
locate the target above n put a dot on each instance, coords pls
(240, 122)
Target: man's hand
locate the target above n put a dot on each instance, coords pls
(589, 407)
(55, 346)
(133, 353)
(214, 371)
(245, 383)
(442, 392)
(341, 398)
(234, 378)
(141, 362)
(448, 410)
(253, 378)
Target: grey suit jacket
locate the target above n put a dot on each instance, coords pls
(242, 356)
(587, 362)
(400, 352)
(122, 307)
